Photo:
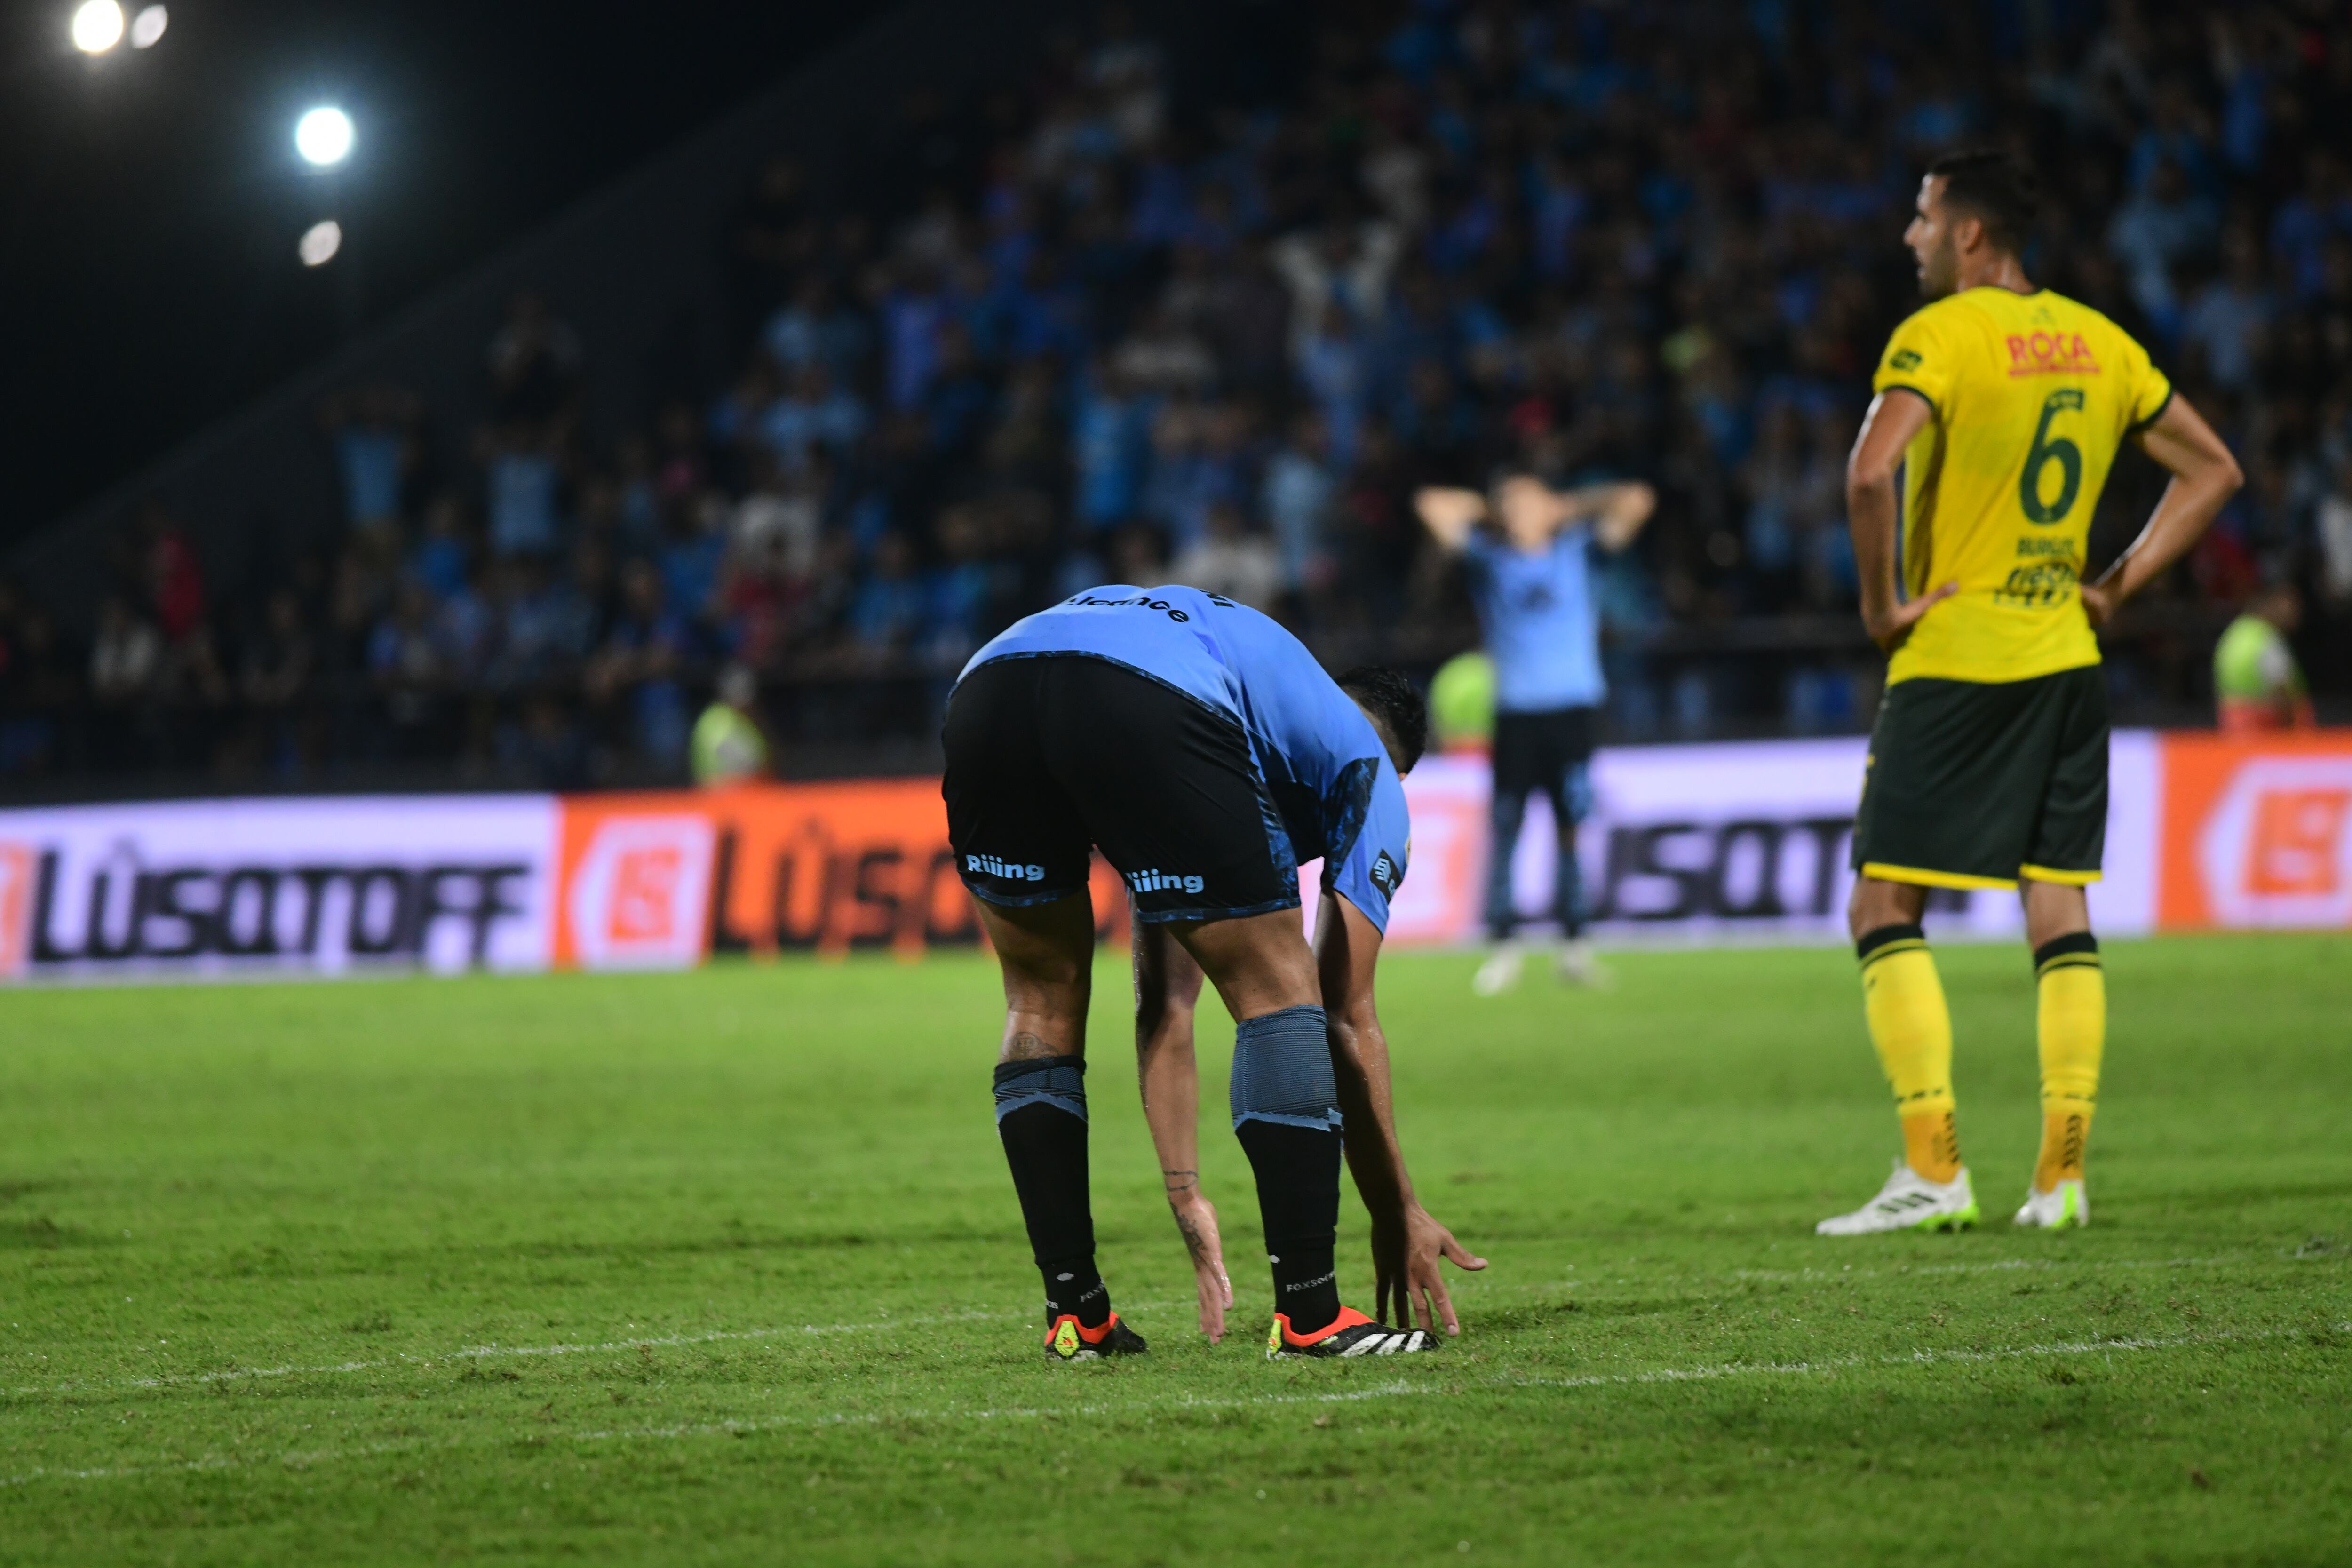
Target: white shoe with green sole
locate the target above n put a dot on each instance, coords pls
(2063, 1206)
(1909, 1200)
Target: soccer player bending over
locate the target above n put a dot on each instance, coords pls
(2003, 406)
(1528, 554)
(1207, 754)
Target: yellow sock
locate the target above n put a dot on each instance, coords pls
(1904, 1001)
(1931, 1144)
(2072, 1025)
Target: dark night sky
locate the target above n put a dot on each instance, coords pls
(150, 201)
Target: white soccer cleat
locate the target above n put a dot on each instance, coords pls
(1909, 1200)
(2063, 1206)
(1579, 964)
(1501, 970)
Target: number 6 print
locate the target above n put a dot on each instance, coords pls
(2047, 449)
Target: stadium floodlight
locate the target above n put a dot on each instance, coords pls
(96, 26)
(323, 136)
(320, 242)
(148, 26)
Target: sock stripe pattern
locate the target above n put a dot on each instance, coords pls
(1057, 1082)
(2072, 1023)
(1282, 1071)
(2078, 951)
(1903, 1003)
(1888, 940)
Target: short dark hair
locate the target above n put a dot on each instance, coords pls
(1994, 186)
(1396, 704)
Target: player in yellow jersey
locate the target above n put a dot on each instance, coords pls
(2003, 406)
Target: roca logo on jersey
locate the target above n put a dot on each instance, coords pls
(1012, 871)
(2051, 353)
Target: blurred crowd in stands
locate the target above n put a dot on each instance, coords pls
(1143, 319)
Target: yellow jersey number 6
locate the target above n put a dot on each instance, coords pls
(2048, 449)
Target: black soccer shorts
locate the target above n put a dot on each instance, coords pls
(1978, 783)
(1050, 754)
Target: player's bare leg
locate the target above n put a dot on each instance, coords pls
(2071, 1027)
(1902, 1001)
(1047, 951)
(1286, 1111)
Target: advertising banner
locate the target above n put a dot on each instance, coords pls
(658, 880)
(1699, 843)
(1731, 840)
(444, 883)
(2257, 832)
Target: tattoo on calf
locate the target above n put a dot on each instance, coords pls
(1027, 1046)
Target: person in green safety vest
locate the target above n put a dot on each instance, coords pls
(1462, 703)
(2257, 683)
(729, 745)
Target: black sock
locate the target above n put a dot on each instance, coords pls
(1041, 1118)
(1298, 1171)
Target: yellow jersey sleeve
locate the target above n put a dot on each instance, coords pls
(1920, 358)
(2148, 390)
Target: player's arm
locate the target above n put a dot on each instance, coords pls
(1896, 415)
(1406, 1241)
(2204, 476)
(1167, 990)
(1449, 513)
(1618, 511)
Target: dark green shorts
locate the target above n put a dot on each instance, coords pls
(1977, 784)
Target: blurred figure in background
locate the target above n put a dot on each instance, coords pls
(2257, 684)
(1461, 704)
(1528, 553)
(729, 744)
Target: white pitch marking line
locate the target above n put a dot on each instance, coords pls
(672, 1340)
(480, 1352)
(1395, 1389)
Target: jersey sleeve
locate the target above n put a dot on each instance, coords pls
(2148, 391)
(1371, 869)
(1920, 358)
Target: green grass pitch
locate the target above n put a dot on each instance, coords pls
(725, 1268)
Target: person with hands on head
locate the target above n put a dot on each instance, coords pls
(2001, 406)
(1527, 548)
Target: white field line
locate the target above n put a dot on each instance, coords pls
(482, 1353)
(1398, 1388)
(1600, 1276)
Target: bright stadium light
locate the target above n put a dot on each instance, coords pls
(320, 242)
(96, 26)
(148, 26)
(323, 136)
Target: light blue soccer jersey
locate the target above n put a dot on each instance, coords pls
(1326, 772)
(1541, 628)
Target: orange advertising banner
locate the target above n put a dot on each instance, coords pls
(660, 880)
(2257, 831)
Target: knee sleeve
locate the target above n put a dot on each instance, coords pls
(1057, 1082)
(1282, 1071)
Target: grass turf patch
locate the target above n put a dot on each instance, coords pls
(726, 1266)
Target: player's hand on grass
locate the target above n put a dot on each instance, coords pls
(1891, 628)
(1405, 1250)
(1196, 1218)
